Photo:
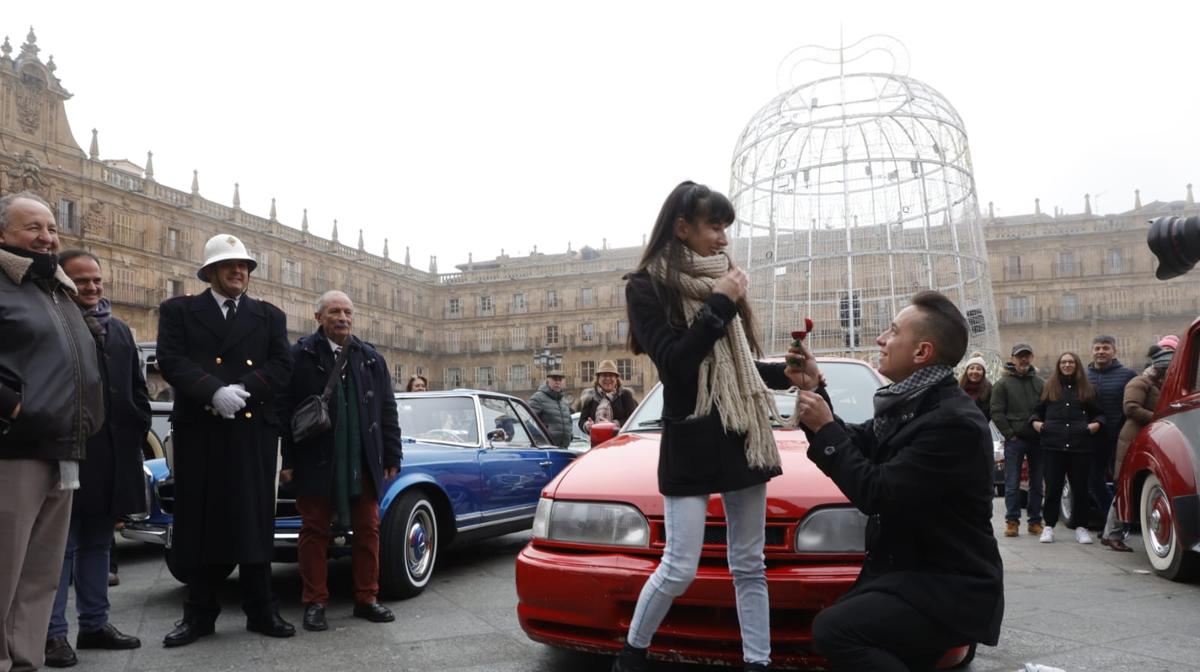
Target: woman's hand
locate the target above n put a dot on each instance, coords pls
(1037, 426)
(812, 411)
(733, 284)
(587, 425)
(1093, 427)
(807, 376)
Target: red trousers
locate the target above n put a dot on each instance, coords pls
(316, 515)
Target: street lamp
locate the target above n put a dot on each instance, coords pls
(547, 360)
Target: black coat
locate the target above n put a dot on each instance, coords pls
(1109, 384)
(927, 487)
(622, 407)
(111, 478)
(1066, 421)
(312, 459)
(696, 456)
(224, 470)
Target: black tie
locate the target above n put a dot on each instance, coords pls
(230, 310)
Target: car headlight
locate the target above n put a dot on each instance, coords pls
(837, 530)
(600, 523)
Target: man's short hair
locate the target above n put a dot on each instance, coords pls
(64, 257)
(1105, 338)
(8, 199)
(943, 325)
(329, 296)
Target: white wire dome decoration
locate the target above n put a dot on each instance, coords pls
(854, 191)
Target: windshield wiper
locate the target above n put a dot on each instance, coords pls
(656, 422)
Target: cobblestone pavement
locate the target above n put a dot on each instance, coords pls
(1070, 606)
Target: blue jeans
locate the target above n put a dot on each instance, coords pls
(745, 520)
(89, 539)
(1104, 447)
(1016, 450)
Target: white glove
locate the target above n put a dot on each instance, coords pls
(229, 400)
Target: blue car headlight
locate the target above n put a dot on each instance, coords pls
(600, 523)
(832, 530)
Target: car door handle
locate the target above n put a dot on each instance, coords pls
(546, 463)
(1190, 403)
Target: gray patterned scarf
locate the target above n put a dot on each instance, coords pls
(891, 398)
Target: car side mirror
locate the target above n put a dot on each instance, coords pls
(497, 434)
(602, 431)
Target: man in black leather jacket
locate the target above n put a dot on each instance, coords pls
(50, 404)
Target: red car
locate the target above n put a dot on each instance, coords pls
(1156, 487)
(598, 535)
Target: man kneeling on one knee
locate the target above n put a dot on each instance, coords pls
(922, 471)
(339, 473)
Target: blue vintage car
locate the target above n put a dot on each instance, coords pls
(474, 466)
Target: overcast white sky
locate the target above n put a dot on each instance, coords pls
(456, 127)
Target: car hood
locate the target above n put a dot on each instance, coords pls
(625, 469)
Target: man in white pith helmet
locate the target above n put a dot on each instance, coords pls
(227, 357)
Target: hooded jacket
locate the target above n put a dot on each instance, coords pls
(1014, 397)
(554, 412)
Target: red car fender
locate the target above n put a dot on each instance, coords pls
(1163, 450)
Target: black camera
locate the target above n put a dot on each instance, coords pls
(1175, 241)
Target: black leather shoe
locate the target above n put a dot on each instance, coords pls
(270, 625)
(755, 667)
(314, 617)
(107, 637)
(186, 632)
(631, 660)
(59, 653)
(373, 612)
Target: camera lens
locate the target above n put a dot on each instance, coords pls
(1175, 241)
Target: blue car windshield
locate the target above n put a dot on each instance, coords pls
(439, 419)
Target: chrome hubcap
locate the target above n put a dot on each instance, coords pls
(1161, 529)
(418, 551)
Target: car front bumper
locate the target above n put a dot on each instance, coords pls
(585, 601)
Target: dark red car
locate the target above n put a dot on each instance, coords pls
(598, 534)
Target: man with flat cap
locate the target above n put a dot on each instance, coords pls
(227, 357)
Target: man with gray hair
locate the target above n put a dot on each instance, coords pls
(51, 402)
(339, 474)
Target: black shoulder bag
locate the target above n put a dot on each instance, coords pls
(312, 415)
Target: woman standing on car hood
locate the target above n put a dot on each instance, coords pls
(688, 312)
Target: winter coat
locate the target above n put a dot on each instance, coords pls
(696, 455)
(111, 480)
(1141, 399)
(1014, 397)
(312, 459)
(983, 400)
(1109, 384)
(224, 470)
(1066, 420)
(622, 407)
(47, 365)
(554, 412)
(936, 457)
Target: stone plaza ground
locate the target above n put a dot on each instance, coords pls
(1070, 606)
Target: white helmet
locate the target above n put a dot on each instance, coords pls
(224, 247)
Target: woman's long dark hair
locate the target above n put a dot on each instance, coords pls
(1053, 391)
(696, 204)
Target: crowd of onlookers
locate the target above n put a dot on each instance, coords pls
(1072, 426)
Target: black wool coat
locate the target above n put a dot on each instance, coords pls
(622, 407)
(927, 489)
(224, 470)
(312, 459)
(1066, 420)
(696, 456)
(111, 479)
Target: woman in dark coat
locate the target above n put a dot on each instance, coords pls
(607, 401)
(975, 383)
(688, 312)
(1066, 418)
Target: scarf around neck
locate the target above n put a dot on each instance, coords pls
(604, 410)
(890, 398)
(728, 381)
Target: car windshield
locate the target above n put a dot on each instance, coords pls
(439, 419)
(851, 388)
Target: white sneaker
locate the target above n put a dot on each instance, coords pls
(1082, 535)
(1047, 535)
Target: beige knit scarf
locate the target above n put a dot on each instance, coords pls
(728, 380)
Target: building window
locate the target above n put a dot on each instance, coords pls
(1019, 308)
(453, 378)
(552, 298)
(587, 332)
(552, 334)
(1070, 306)
(518, 376)
(175, 288)
(420, 339)
(485, 377)
(518, 303)
(622, 330)
(587, 372)
(173, 242)
(518, 338)
(66, 216)
(1115, 261)
(292, 273)
(1066, 264)
(398, 380)
(454, 309)
(485, 305)
(373, 297)
(485, 340)
(262, 268)
(625, 369)
(587, 297)
(619, 296)
(452, 344)
(1012, 268)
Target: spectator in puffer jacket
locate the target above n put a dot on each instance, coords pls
(1109, 377)
(1013, 399)
(551, 406)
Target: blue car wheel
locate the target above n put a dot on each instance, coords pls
(409, 545)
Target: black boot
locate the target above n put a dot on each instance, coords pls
(631, 660)
(755, 667)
